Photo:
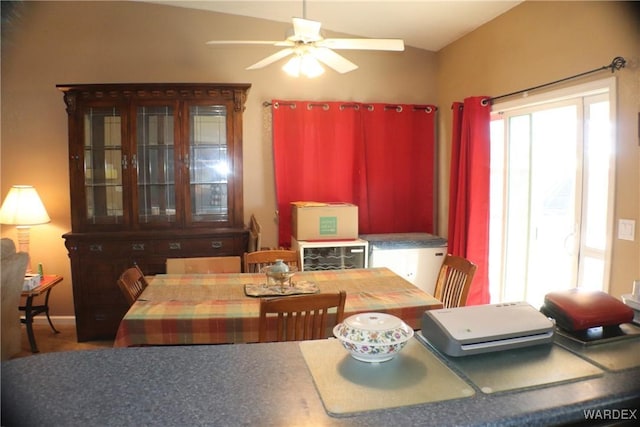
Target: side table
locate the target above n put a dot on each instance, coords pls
(47, 282)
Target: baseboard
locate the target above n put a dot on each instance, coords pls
(56, 320)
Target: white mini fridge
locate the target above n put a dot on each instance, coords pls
(417, 257)
(331, 255)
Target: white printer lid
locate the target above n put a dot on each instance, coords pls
(480, 323)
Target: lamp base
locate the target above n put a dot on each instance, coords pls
(23, 243)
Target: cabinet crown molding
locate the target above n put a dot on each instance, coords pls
(236, 92)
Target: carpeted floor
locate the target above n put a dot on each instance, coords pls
(49, 342)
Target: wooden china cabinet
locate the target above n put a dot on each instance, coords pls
(156, 173)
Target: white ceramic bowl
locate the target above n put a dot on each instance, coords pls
(373, 337)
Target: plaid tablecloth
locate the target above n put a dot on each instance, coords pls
(213, 308)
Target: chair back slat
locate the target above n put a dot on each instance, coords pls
(454, 281)
(254, 262)
(132, 282)
(302, 317)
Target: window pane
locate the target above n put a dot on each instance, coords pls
(102, 165)
(497, 207)
(593, 273)
(597, 153)
(156, 182)
(517, 221)
(553, 253)
(209, 163)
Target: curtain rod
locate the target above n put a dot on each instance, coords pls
(617, 63)
(398, 108)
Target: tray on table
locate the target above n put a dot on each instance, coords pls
(298, 288)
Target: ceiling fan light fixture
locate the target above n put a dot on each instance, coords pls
(304, 64)
(312, 51)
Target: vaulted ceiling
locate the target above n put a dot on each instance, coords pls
(424, 24)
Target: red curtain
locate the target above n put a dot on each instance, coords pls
(376, 156)
(468, 233)
(399, 148)
(317, 155)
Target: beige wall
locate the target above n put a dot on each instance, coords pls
(51, 43)
(539, 42)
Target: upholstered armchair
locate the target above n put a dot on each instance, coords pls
(13, 269)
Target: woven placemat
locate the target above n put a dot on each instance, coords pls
(298, 288)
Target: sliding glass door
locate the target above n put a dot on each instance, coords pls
(551, 204)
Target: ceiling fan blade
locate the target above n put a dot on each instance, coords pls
(305, 30)
(269, 42)
(332, 59)
(285, 43)
(271, 59)
(363, 44)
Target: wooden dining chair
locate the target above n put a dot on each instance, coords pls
(204, 265)
(300, 317)
(454, 281)
(132, 283)
(255, 261)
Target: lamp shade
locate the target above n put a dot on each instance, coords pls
(23, 206)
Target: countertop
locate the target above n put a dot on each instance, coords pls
(256, 384)
(392, 241)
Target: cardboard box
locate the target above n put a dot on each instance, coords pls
(324, 221)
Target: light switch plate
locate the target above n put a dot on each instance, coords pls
(626, 229)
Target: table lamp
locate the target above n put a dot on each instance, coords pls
(23, 208)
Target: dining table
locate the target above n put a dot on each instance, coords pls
(185, 309)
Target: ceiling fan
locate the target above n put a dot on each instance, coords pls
(310, 48)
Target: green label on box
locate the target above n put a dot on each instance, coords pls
(328, 225)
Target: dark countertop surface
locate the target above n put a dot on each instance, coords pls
(258, 384)
(390, 241)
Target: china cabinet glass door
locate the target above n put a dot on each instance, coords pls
(103, 165)
(155, 164)
(149, 156)
(209, 163)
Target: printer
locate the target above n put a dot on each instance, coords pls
(479, 329)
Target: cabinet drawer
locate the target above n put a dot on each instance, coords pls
(204, 246)
(99, 248)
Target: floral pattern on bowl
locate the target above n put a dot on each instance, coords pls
(373, 337)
